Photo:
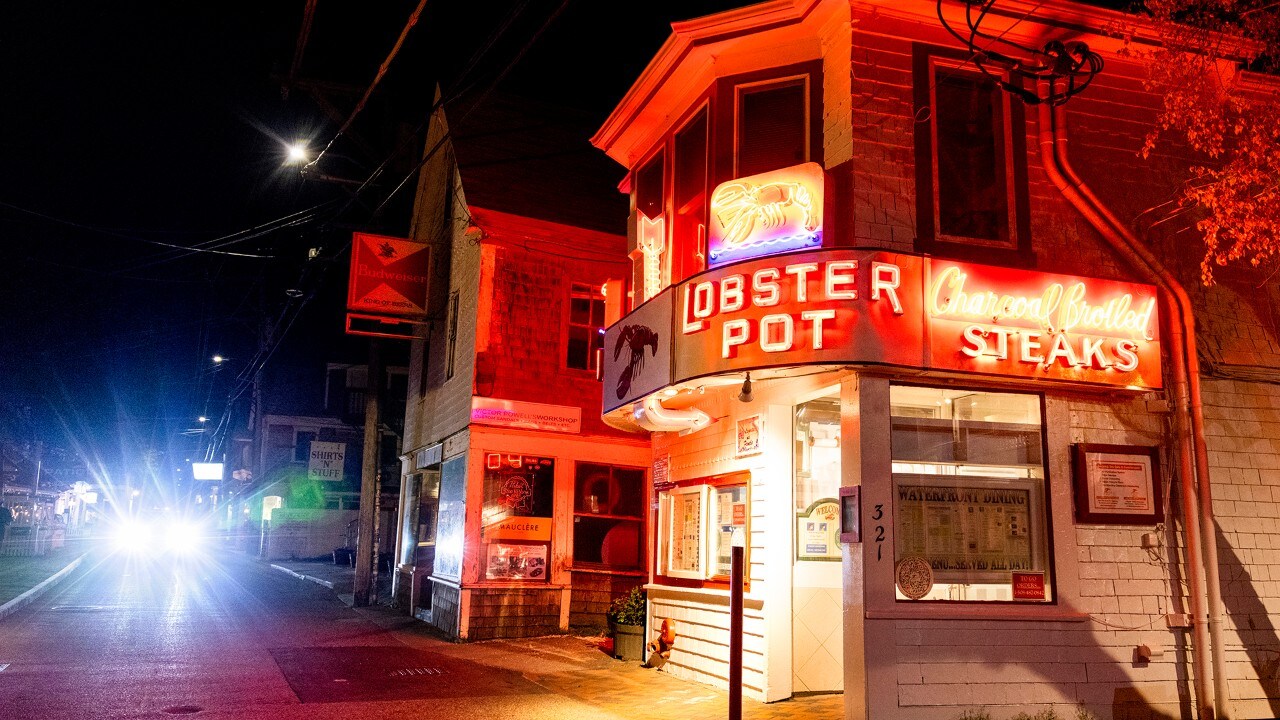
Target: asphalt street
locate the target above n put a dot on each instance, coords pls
(227, 637)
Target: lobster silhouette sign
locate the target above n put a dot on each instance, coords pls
(764, 214)
(637, 352)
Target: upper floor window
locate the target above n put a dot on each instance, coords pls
(772, 126)
(651, 230)
(689, 179)
(586, 320)
(970, 158)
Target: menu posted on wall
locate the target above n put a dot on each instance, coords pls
(1118, 484)
(966, 532)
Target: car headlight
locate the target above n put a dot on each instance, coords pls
(184, 537)
(133, 537)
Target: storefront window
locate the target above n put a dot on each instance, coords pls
(970, 520)
(817, 492)
(700, 521)
(608, 517)
(517, 516)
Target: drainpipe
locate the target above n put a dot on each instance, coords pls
(1185, 387)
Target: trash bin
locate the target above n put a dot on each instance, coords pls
(341, 556)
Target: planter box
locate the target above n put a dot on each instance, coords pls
(628, 642)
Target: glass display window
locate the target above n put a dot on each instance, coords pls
(699, 522)
(969, 509)
(516, 520)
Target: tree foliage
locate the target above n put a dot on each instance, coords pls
(1215, 70)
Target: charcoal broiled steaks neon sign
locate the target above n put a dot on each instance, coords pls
(867, 306)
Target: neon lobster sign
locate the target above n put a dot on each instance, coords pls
(765, 214)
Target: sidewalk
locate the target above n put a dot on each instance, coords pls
(22, 574)
(338, 578)
(574, 666)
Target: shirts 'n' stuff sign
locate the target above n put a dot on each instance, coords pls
(637, 353)
(818, 531)
(766, 214)
(967, 533)
(525, 415)
(388, 276)
(749, 432)
(1118, 484)
(325, 461)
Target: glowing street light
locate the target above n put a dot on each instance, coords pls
(218, 359)
(202, 418)
(298, 153)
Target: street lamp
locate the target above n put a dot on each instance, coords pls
(297, 153)
(218, 359)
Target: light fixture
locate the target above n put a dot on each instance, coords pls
(746, 396)
(298, 153)
(217, 359)
(202, 418)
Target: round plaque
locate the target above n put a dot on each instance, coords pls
(914, 577)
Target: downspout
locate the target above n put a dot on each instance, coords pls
(1185, 389)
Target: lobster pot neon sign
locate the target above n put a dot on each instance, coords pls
(765, 214)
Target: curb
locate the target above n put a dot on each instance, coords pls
(27, 597)
(300, 576)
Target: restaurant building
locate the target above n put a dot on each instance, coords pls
(986, 441)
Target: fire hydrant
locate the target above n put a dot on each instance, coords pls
(660, 647)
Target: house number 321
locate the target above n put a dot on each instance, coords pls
(877, 515)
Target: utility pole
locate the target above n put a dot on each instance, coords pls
(366, 582)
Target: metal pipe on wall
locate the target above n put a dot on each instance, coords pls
(1185, 388)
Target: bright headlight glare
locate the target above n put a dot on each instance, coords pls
(184, 537)
(133, 537)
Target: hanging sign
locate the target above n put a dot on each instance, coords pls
(388, 276)
(325, 461)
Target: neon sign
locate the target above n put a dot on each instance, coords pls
(652, 242)
(766, 214)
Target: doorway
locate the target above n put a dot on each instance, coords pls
(817, 628)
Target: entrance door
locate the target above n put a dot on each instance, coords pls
(817, 629)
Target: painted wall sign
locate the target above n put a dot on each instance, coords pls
(525, 415)
(766, 214)
(843, 306)
(325, 461)
(637, 353)
(388, 276)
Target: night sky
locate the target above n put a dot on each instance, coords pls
(143, 184)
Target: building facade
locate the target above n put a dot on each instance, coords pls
(906, 338)
(521, 511)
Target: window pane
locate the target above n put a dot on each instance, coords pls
(580, 310)
(969, 126)
(579, 346)
(615, 543)
(817, 486)
(649, 188)
(517, 486)
(686, 532)
(771, 129)
(969, 495)
(729, 525)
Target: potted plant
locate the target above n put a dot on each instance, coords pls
(626, 618)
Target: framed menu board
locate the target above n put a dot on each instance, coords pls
(1117, 484)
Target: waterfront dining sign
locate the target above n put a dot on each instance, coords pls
(860, 306)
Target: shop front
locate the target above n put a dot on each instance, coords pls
(890, 436)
